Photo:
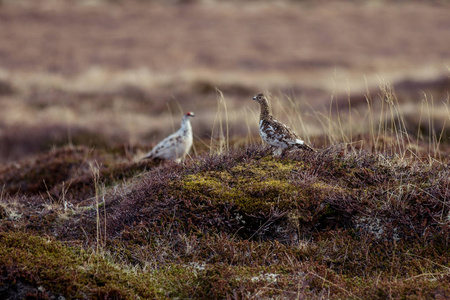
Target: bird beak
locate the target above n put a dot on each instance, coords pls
(254, 98)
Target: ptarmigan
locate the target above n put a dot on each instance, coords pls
(276, 134)
(175, 146)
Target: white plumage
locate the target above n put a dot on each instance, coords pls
(177, 145)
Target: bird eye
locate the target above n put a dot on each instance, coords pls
(259, 97)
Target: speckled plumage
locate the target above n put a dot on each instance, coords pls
(177, 145)
(275, 133)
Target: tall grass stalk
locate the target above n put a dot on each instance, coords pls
(350, 125)
(95, 169)
(250, 137)
(392, 130)
(296, 109)
(370, 112)
(222, 142)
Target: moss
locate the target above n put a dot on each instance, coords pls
(255, 187)
(266, 167)
(322, 188)
(65, 271)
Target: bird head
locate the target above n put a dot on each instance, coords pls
(190, 114)
(259, 98)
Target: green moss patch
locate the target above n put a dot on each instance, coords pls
(57, 270)
(256, 187)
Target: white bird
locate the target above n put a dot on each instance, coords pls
(275, 133)
(177, 145)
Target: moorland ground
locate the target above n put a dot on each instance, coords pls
(87, 87)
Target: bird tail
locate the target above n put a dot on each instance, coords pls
(307, 147)
(300, 144)
(148, 156)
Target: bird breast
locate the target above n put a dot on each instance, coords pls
(271, 137)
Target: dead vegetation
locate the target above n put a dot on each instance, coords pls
(238, 224)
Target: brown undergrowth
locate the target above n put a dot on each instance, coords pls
(242, 224)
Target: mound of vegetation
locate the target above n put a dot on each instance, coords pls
(332, 224)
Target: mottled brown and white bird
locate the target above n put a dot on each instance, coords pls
(275, 133)
(175, 146)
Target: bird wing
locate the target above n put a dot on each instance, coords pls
(172, 147)
(164, 148)
(282, 131)
(290, 137)
(279, 135)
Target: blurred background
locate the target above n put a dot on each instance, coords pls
(118, 73)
